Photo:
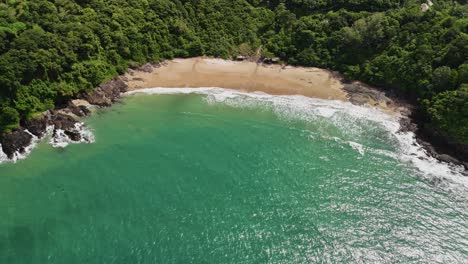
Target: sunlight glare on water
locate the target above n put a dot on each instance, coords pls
(221, 177)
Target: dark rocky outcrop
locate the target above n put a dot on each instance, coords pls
(360, 94)
(407, 125)
(107, 93)
(146, 68)
(36, 126)
(67, 124)
(65, 118)
(98, 97)
(17, 140)
(73, 135)
(449, 159)
(113, 88)
(85, 110)
(63, 122)
(78, 110)
(443, 148)
(442, 155)
(439, 147)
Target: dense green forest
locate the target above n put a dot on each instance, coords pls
(53, 50)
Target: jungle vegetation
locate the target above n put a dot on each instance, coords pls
(53, 50)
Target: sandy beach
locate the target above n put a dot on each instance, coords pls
(246, 76)
(251, 77)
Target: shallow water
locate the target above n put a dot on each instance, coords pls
(224, 178)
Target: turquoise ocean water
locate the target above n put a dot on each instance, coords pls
(190, 178)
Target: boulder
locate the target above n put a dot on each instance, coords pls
(360, 94)
(64, 122)
(69, 126)
(73, 135)
(85, 110)
(428, 147)
(98, 97)
(36, 126)
(107, 93)
(75, 110)
(146, 68)
(17, 140)
(406, 125)
(449, 159)
(113, 88)
(79, 108)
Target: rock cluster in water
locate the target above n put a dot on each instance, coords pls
(65, 125)
(63, 121)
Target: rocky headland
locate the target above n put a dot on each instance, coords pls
(433, 142)
(64, 123)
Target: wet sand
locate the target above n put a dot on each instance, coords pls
(252, 77)
(246, 76)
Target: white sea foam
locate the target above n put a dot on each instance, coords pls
(3, 156)
(341, 114)
(326, 112)
(358, 147)
(27, 150)
(61, 140)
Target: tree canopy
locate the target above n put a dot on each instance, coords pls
(53, 50)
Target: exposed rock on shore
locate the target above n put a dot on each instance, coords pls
(16, 141)
(407, 125)
(36, 126)
(80, 108)
(64, 122)
(107, 93)
(213, 73)
(442, 148)
(145, 68)
(361, 94)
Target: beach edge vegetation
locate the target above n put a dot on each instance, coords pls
(53, 51)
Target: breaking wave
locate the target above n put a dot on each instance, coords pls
(3, 156)
(348, 117)
(20, 155)
(58, 139)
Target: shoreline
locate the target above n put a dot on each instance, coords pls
(244, 75)
(64, 125)
(407, 149)
(249, 76)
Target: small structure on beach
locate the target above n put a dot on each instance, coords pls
(241, 58)
(274, 60)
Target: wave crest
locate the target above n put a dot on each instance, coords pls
(345, 115)
(58, 139)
